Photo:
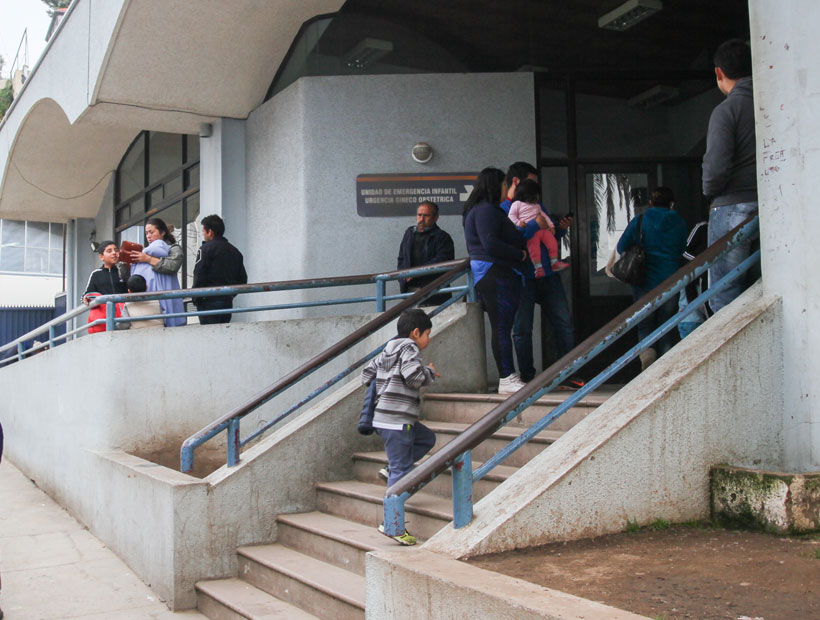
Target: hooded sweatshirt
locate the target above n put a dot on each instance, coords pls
(399, 373)
(729, 165)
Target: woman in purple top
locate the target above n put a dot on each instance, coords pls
(159, 239)
(497, 251)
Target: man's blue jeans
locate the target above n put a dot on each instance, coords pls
(549, 293)
(721, 221)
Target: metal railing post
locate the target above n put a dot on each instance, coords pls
(233, 442)
(20, 350)
(472, 296)
(462, 490)
(381, 287)
(394, 515)
(52, 331)
(110, 315)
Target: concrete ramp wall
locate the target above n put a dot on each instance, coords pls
(645, 454)
(73, 416)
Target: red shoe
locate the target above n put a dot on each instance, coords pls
(559, 265)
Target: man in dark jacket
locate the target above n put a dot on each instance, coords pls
(729, 166)
(218, 263)
(425, 244)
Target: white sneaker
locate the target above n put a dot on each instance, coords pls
(510, 384)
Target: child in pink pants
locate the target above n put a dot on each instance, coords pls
(524, 209)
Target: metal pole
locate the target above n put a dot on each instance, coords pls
(233, 442)
(110, 315)
(462, 490)
(380, 290)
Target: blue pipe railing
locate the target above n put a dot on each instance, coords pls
(230, 422)
(380, 280)
(457, 453)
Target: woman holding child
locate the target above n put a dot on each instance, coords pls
(497, 251)
(160, 240)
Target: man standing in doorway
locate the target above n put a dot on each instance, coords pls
(729, 165)
(425, 244)
(218, 263)
(548, 291)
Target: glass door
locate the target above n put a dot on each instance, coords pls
(609, 196)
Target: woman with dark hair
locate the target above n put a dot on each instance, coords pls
(497, 251)
(663, 237)
(168, 265)
(159, 240)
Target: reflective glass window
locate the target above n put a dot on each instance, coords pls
(164, 154)
(131, 172)
(552, 101)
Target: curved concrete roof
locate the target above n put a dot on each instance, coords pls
(116, 67)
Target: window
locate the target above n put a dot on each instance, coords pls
(159, 177)
(31, 247)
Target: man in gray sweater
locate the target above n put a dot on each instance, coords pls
(729, 166)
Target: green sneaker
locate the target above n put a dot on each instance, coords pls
(403, 539)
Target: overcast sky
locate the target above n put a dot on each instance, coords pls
(15, 17)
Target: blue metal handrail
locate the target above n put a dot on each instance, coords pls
(230, 422)
(111, 320)
(457, 453)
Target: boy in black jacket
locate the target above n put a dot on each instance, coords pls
(107, 279)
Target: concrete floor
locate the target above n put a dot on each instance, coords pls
(53, 568)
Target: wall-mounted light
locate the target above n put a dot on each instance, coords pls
(206, 130)
(653, 97)
(92, 240)
(422, 152)
(629, 13)
(366, 52)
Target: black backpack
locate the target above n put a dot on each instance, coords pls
(368, 408)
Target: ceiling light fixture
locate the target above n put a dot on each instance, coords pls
(653, 97)
(629, 13)
(367, 52)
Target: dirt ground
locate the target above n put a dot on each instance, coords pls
(680, 573)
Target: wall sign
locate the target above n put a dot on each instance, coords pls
(398, 195)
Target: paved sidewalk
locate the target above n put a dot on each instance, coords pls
(54, 569)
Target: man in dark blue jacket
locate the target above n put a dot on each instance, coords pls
(425, 244)
(548, 291)
(218, 263)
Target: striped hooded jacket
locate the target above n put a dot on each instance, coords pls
(399, 373)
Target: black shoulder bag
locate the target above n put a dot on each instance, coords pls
(630, 267)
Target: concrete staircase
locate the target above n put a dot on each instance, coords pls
(316, 569)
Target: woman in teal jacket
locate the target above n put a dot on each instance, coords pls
(663, 236)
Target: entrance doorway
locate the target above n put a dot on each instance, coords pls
(604, 143)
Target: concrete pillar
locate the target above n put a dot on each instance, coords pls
(785, 47)
(222, 177)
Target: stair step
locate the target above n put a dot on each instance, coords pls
(331, 539)
(234, 599)
(310, 584)
(366, 467)
(425, 513)
(469, 408)
(447, 431)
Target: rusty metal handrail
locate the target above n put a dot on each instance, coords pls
(456, 453)
(230, 420)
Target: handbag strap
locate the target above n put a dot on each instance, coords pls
(640, 237)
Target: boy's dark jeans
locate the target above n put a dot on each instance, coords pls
(405, 447)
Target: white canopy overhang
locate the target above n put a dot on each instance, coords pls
(116, 67)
